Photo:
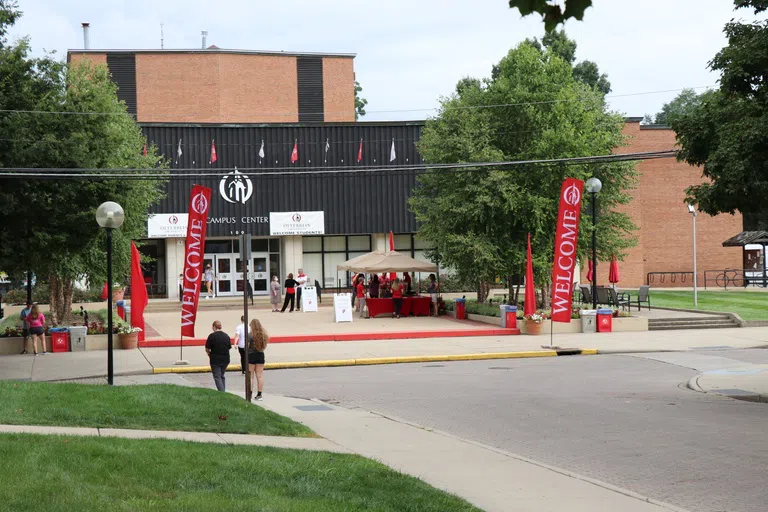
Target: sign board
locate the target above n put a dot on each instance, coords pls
(309, 299)
(296, 223)
(167, 225)
(342, 307)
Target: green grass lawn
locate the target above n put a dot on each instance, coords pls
(58, 473)
(150, 407)
(748, 305)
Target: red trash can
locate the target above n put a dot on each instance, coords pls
(604, 320)
(60, 341)
(461, 309)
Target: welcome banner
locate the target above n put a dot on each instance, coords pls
(199, 205)
(566, 242)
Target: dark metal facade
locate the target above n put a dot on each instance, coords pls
(122, 66)
(309, 78)
(354, 202)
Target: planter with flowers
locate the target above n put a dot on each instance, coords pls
(128, 336)
(533, 323)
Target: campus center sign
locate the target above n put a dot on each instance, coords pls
(566, 242)
(199, 204)
(296, 223)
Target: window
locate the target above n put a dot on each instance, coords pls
(359, 243)
(322, 254)
(312, 243)
(334, 244)
(259, 245)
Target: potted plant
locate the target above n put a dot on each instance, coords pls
(118, 293)
(533, 323)
(128, 336)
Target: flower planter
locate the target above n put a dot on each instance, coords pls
(129, 341)
(533, 328)
(118, 294)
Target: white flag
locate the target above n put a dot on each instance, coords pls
(261, 150)
(178, 152)
(327, 146)
(392, 155)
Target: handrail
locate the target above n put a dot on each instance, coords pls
(721, 278)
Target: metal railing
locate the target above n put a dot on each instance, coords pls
(724, 278)
(662, 278)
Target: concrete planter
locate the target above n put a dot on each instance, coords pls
(630, 324)
(546, 327)
(10, 346)
(493, 320)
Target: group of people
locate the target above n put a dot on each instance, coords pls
(293, 290)
(218, 345)
(384, 287)
(33, 327)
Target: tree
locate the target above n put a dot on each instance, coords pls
(726, 130)
(552, 14)
(51, 221)
(682, 103)
(360, 103)
(477, 218)
(588, 73)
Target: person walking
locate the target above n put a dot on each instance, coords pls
(301, 279)
(397, 296)
(25, 325)
(209, 281)
(432, 291)
(240, 342)
(290, 292)
(36, 323)
(217, 347)
(274, 294)
(360, 292)
(258, 339)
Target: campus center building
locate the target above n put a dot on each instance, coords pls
(286, 121)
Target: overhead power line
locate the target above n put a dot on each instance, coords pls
(162, 174)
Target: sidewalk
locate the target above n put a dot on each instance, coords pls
(72, 365)
(744, 382)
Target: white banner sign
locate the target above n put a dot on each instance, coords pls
(296, 223)
(167, 225)
(309, 299)
(342, 307)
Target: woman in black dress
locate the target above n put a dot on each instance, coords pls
(290, 292)
(258, 339)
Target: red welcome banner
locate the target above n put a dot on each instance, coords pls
(566, 242)
(199, 204)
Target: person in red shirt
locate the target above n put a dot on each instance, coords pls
(407, 282)
(397, 296)
(360, 290)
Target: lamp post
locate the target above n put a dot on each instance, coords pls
(594, 186)
(692, 211)
(110, 216)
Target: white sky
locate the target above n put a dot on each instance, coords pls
(409, 53)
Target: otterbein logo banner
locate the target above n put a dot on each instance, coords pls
(566, 242)
(199, 204)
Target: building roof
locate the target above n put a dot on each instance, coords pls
(747, 237)
(214, 49)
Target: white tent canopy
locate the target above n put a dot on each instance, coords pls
(392, 261)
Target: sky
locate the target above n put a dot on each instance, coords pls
(410, 53)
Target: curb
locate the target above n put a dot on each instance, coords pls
(390, 360)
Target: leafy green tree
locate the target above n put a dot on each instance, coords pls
(49, 223)
(552, 13)
(360, 102)
(726, 130)
(682, 103)
(587, 72)
(478, 218)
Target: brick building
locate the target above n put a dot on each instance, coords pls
(253, 102)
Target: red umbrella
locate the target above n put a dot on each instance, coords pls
(529, 307)
(392, 275)
(590, 272)
(613, 273)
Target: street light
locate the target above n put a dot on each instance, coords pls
(109, 216)
(593, 187)
(692, 211)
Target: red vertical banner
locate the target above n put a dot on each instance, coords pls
(139, 297)
(566, 243)
(199, 205)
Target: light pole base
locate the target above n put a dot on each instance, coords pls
(181, 362)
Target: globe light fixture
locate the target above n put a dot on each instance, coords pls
(110, 216)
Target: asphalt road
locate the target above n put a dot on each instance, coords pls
(626, 420)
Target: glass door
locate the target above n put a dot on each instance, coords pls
(222, 265)
(260, 271)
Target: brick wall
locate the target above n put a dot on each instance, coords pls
(96, 58)
(665, 239)
(338, 89)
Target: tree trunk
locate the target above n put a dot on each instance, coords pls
(517, 293)
(544, 298)
(53, 290)
(482, 292)
(62, 292)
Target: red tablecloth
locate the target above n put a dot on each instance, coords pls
(418, 306)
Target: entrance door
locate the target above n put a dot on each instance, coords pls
(223, 267)
(258, 274)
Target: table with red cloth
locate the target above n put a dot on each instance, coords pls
(418, 306)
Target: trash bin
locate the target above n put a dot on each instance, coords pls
(604, 320)
(59, 339)
(77, 336)
(508, 316)
(588, 320)
(120, 309)
(127, 315)
(460, 305)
